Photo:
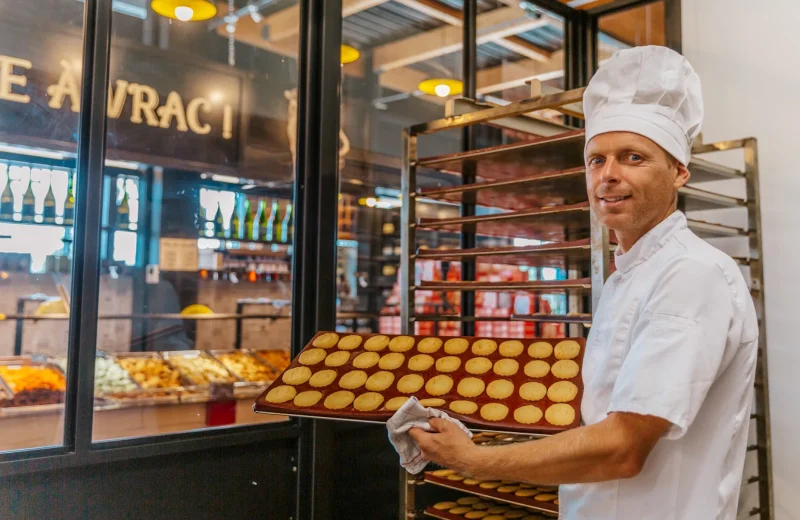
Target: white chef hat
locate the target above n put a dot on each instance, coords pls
(651, 91)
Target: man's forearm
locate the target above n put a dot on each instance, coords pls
(589, 454)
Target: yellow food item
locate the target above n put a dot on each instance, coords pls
(25, 378)
(151, 372)
(201, 370)
(246, 367)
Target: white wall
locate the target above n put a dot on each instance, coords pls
(748, 56)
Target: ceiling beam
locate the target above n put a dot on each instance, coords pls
(515, 74)
(435, 9)
(286, 23)
(492, 26)
(524, 48)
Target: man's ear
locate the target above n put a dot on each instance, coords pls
(682, 176)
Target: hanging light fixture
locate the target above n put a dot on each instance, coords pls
(185, 10)
(442, 87)
(349, 54)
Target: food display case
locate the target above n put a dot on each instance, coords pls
(31, 381)
(535, 190)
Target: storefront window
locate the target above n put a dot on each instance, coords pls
(198, 221)
(37, 204)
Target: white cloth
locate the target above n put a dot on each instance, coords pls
(414, 415)
(675, 336)
(652, 91)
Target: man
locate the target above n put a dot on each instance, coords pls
(670, 360)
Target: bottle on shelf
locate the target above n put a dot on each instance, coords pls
(242, 207)
(50, 206)
(219, 225)
(274, 216)
(28, 205)
(285, 236)
(260, 225)
(69, 204)
(249, 220)
(236, 225)
(6, 198)
(123, 212)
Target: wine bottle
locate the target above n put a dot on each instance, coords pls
(28, 204)
(123, 219)
(50, 206)
(7, 203)
(236, 225)
(69, 205)
(269, 232)
(249, 220)
(261, 220)
(219, 225)
(287, 219)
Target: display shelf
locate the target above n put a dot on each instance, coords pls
(547, 287)
(703, 170)
(582, 319)
(555, 223)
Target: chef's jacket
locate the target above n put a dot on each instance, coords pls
(674, 336)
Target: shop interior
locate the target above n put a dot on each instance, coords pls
(244, 180)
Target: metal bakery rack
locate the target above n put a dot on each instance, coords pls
(537, 188)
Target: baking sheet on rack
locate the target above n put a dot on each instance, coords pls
(474, 420)
(508, 498)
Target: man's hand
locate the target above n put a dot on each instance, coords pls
(449, 447)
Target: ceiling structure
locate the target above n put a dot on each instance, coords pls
(412, 40)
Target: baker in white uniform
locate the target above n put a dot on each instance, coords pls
(670, 360)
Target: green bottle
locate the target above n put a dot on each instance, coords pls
(69, 205)
(50, 207)
(28, 204)
(285, 225)
(274, 216)
(7, 203)
(219, 225)
(248, 220)
(261, 221)
(123, 219)
(236, 225)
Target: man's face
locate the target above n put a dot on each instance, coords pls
(631, 181)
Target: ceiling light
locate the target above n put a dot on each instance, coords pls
(185, 10)
(254, 14)
(441, 87)
(349, 54)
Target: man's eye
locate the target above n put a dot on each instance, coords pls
(595, 161)
(635, 157)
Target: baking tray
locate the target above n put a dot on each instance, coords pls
(217, 354)
(19, 399)
(170, 356)
(508, 498)
(473, 421)
(552, 223)
(261, 354)
(156, 356)
(444, 515)
(544, 189)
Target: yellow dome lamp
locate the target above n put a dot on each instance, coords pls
(196, 309)
(185, 10)
(441, 87)
(349, 54)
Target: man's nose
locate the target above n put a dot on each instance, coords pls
(609, 174)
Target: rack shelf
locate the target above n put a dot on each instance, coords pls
(561, 255)
(551, 223)
(534, 157)
(547, 287)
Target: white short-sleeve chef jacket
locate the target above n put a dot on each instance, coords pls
(675, 336)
